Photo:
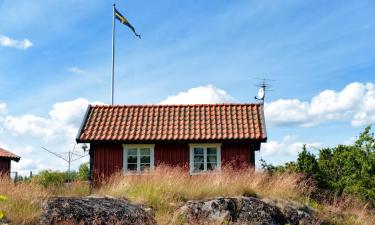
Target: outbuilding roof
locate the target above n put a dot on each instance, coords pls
(6, 154)
(173, 122)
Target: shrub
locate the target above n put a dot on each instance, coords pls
(83, 171)
(49, 178)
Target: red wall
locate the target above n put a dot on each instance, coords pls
(172, 154)
(237, 155)
(108, 157)
(4, 166)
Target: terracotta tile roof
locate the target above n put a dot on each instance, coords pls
(6, 154)
(173, 122)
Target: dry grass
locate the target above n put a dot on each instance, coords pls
(347, 210)
(166, 187)
(25, 199)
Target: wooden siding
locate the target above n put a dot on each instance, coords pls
(172, 154)
(4, 166)
(237, 155)
(107, 158)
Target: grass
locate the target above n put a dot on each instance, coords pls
(166, 187)
(24, 200)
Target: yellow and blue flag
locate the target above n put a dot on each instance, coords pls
(124, 21)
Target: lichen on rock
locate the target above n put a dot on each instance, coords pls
(93, 211)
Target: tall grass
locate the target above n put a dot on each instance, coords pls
(24, 200)
(165, 187)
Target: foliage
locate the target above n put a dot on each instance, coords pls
(83, 171)
(344, 169)
(49, 178)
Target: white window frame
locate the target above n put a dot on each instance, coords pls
(126, 148)
(205, 146)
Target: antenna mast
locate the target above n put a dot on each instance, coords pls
(264, 86)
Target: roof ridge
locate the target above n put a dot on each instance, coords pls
(174, 105)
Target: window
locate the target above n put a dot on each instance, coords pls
(205, 157)
(138, 158)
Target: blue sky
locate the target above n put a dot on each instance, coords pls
(55, 57)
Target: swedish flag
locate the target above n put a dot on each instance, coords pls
(124, 21)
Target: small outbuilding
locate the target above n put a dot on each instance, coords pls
(5, 158)
(202, 138)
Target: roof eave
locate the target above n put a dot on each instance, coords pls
(175, 140)
(85, 118)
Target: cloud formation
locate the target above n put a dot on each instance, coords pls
(9, 42)
(287, 146)
(355, 103)
(199, 95)
(61, 124)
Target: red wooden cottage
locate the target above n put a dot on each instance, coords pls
(5, 158)
(202, 137)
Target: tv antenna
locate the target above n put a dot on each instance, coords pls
(69, 156)
(263, 85)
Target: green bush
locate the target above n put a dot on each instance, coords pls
(49, 178)
(83, 171)
(344, 169)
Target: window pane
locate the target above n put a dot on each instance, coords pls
(198, 167)
(132, 159)
(211, 151)
(211, 159)
(132, 167)
(199, 159)
(132, 151)
(145, 159)
(211, 166)
(145, 166)
(145, 151)
(198, 151)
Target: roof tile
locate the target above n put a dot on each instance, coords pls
(174, 122)
(6, 154)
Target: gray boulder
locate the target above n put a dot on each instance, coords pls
(241, 210)
(93, 211)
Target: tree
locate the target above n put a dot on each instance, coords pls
(348, 169)
(306, 162)
(83, 171)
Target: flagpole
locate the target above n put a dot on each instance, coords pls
(113, 56)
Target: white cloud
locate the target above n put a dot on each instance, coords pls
(56, 131)
(356, 103)
(200, 95)
(60, 126)
(9, 42)
(287, 146)
(76, 70)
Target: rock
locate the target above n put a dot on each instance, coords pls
(241, 210)
(296, 213)
(93, 211)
